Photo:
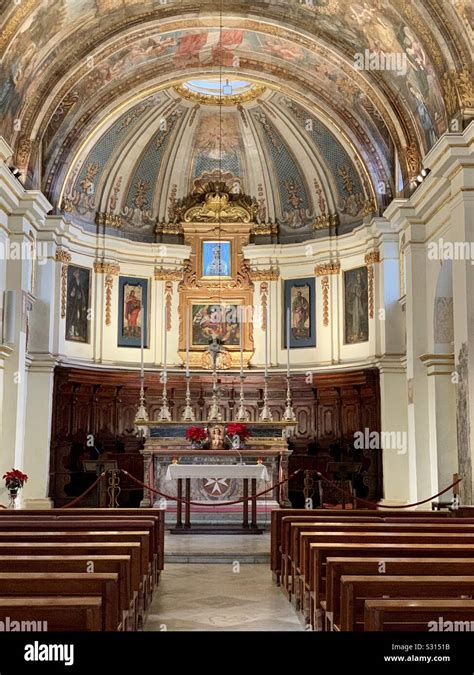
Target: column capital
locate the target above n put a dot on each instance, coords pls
(438, 364)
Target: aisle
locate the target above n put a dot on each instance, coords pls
(231, 596)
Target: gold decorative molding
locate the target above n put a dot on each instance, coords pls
(108, 219)
(465, 86)
(109, 282)
(63, 291)
(264, 302)
(165, 274)
(22, 9)
(208, 99)
(370, 278)
(372, 257)
(325, 221)
(168, 304)
(270, 274)
(107, 268)
(62, 256)
(168, 228)
(325, 288)
(67, 206)
(413, 160)
(264, 229)
(327, 268)
(218, 206)
(369, 208)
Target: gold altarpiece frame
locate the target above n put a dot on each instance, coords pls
(231, 292)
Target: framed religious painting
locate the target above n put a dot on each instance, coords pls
(214, 321)
(133, 312)
(356, 306)
(77, 307)
(300, 311)
(216, 260)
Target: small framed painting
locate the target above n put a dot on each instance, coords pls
(133, 312)
(216, 260)
(356, 306)
(299, 308)
(214, 321)
(77, 308)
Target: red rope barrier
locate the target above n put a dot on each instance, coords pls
(184, 501)
(386, 506)
(91, 487)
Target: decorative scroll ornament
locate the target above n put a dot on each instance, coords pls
(168, 303)
(164, 274)
(412, 157)
(369, 208)
(254, 92)
(325, 287)
(327, 268)
(108, 219)
(465, 86)
(370, 258)
(168, 228)
(264, 229)
(270, 274)
(64, 257)
(326, 221)
(214, 202)
(323, 271)
(111, 270)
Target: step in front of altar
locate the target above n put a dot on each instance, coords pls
(206, 513)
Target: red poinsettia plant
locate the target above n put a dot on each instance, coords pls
(238, 429)
(15, 479)
(195, 434)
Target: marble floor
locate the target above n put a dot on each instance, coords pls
(231, 596)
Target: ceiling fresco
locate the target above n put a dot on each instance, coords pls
(71, 69)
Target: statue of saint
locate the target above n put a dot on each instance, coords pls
(216, 433)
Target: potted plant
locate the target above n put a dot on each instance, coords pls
(238, 433)
(14, 481)
(196, 435)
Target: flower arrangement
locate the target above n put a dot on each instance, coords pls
(14, 479)
(238, 429)
(195, 434)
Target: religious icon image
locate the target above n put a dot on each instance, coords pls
(132, 312)
(78, 287)
(216, 259)
(356, 318)
(300, 312)
(211, 323)
(299, 305)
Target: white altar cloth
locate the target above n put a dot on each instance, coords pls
(258, 471)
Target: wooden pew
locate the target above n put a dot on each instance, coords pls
(355, 590)
(299, 545)
(89, 550)
(335, 514)
(158, 515)
(394, 535)
(104, 586)
(81, 525)
(120, 565)
(416, 615)
(339, 567)
(319, 553)
(64, 613)
(112, 536)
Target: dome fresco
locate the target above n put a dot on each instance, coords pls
(164, 148)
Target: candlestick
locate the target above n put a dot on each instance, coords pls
(188, 412)
(241, 344)
(142, 346)
(165, 339)
(187, 341)
(266, 344)
(288, 342)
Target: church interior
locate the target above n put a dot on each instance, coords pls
(237, 335)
